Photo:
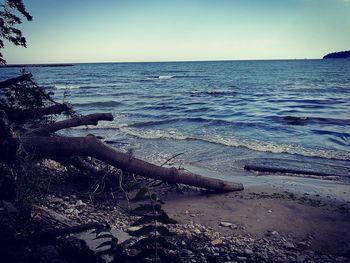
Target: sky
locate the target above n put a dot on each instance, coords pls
(69, 31)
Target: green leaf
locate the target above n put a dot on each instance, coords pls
(104, 244)
(104, 236)
(140, 195)
(163, 231)
(164, 243)
(163, 218)
(142, 231)
(144, 220)
(105, 228)
(147, 207)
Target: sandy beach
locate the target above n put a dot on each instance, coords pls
(315, 217)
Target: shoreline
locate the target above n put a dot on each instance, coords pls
(270, 221)
(322, 223)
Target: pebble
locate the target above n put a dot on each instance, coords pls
(222, 247)
(248, 251)
(216, 242)
(301, 244)
(80, 203)
(197, 231)
(275, 233)
(289, 245)
(225, 224)
(241, 259)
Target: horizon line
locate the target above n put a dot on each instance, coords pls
(160, 61)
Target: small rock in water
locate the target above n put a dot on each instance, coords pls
(269, 211)
(225, 224)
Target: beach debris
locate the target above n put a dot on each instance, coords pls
(225, 224)
(269, 211)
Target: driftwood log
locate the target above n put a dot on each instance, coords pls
(20, 116)
(91, 119)
(47, 147)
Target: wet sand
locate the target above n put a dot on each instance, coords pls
(307, 210)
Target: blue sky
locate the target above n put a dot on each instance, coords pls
(162, 30)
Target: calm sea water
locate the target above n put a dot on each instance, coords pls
(218, 114)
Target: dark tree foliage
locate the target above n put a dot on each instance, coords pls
(10, 12)
(341, 54)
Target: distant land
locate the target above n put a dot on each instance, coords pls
(341, 54)
(36, 65)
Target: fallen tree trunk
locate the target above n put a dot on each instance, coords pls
(47, 147)
(12, 81)
(91, 119)
(21, 115)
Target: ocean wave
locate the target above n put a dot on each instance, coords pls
(310, 101)
(214, 93)
(66, 86)
(110, 103)
(251, 144)
(153, 123)
(168, 121)
(164, 77)
(262, 146)
(294, 120)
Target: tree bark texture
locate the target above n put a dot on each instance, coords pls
(20, 116)
(47, 147)
(91, 119)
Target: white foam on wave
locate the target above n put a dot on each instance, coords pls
(64, 86)
(261, 146)
(251, 144)
(153, 134)
(164, 77)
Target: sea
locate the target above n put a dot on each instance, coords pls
(212, 115)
